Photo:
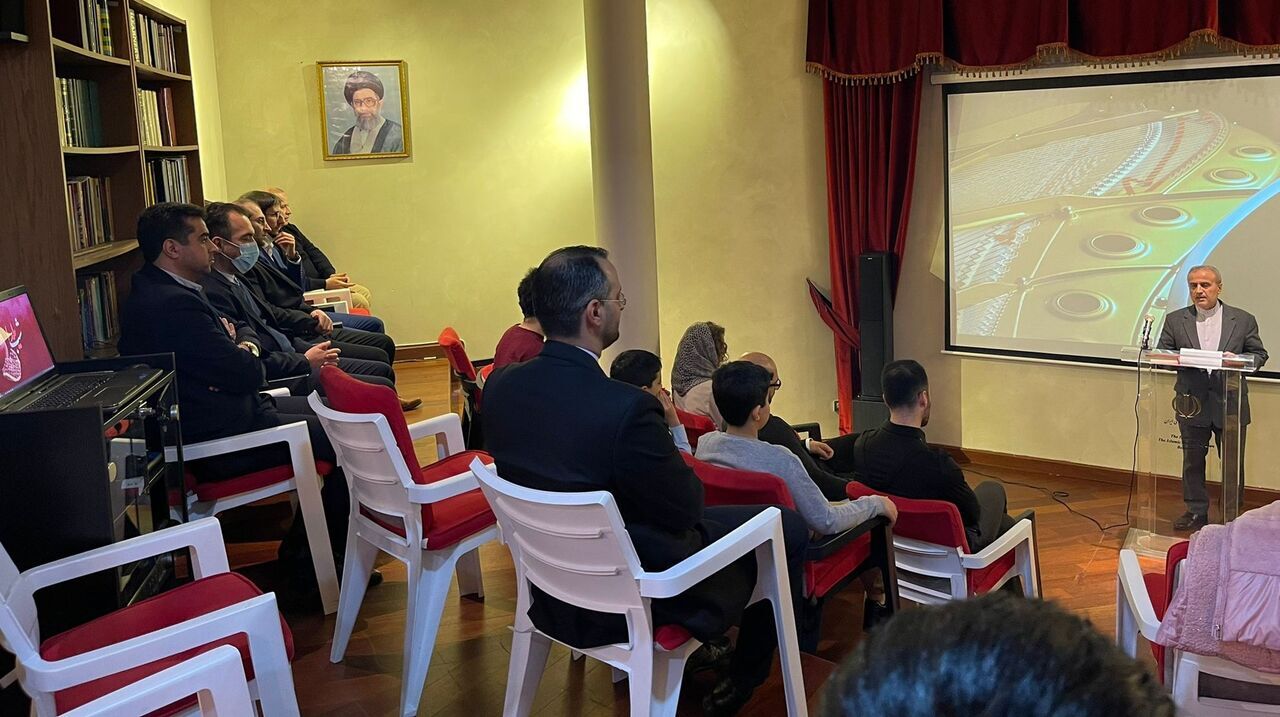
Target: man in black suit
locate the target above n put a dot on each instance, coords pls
(219, 372)
(317, 270)
(1207, 324)
(556, 422)
(232, 235)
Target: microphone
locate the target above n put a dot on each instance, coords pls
(1146, 333)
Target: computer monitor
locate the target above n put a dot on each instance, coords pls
(24, 354)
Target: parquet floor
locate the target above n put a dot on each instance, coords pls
(468, 670)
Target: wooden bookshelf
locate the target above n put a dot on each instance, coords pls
(37, 247)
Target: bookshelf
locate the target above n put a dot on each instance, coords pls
(75, 186)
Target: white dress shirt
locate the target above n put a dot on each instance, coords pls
(1209, 327)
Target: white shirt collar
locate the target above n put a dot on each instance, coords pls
(1211, 313)
(231, 277)
(189, 284)
(589, 352)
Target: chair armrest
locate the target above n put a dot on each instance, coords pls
(450, 487)
(1129, 574)
(278, 391)
(448, 426)
(254, 613)
(1021, 531)
(327, 296)
(812, 430)
(828, 545)
(291, 433)
(481, 363)
(203, 537)
(743, 540)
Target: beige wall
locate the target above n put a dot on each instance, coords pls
(500, 172)
(1080, 414)
(739, 175)
(204, 78)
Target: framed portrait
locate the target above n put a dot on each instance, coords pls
(364, 109)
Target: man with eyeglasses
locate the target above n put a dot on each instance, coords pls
(372, 133)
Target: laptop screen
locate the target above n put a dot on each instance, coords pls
(24, 356)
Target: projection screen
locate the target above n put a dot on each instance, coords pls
(1075, 206)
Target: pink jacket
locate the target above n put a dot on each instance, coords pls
(1228, 603)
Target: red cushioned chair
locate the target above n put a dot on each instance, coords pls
(932, 552)
(432, 518)
(455, 350)
(302, 475)
(574, 547)
(831, 561)
(1159, 593)
(216, 678)
(695, 426)
(134, 643)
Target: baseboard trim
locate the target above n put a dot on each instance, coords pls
(419, 351)
(1082, 471)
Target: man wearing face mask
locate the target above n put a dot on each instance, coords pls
(1212, 325)
(235, 252)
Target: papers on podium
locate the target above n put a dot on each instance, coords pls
(1200, 358)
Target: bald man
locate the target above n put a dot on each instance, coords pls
(317, 271)
(829, 464)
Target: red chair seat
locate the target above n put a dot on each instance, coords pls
(823, 575)
(448, 521)
(983, 580)
(185, 602)
(214, 490)
(669, 637)
(355, 311)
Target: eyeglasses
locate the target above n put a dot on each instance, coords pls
(370, 103)
(776, 385)
(622, 300)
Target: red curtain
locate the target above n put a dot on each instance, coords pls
(870, 51)
(871, 157)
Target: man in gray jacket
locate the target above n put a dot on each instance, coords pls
(1207, 324)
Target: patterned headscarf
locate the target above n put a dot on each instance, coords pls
(697, 357)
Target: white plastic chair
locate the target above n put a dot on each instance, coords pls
(1136, 615)
(575, 547)
(931, 553)
(386, 515)
(304, 481)
(338, 300)
(215, 677)
(256, 617)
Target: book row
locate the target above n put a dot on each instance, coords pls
(98, 311)
(166, 180)
(81, 121)
(155, 108)
(153, 42)
(95, 26)
(89, 199)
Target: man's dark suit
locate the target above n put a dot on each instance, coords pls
(283, 293)
(316, 267)
(241, 302)
(558, 423)
(1239, 336)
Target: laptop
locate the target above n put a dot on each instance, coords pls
(29, 379)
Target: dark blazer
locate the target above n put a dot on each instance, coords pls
(557, 422)
(390, 139)
(1239, 336)
(278, 289)
(279, 361)
(316, 267)
(218, 382)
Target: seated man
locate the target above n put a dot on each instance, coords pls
(280, 253)
(643, 370)
(741, 391)
(219, 376)
(524, 340)
(557, 423)
(827, 463)
(317, 270)
(232, 235)
(895, 459)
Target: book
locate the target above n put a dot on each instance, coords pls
(154, 42)
(81, 119)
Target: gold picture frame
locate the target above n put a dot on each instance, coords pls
(365, 104)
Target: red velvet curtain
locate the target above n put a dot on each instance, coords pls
(870, 51)
(871, 157)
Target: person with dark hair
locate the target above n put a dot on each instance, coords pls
(557, 423)
(702, 349)
(895, 459)
(522, 341)
(997, 655)
(643, 369)
(372, 133)
(219, 372)
(318, 271)
(741, 391)
(235, 251)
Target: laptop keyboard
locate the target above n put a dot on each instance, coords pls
(70, 391)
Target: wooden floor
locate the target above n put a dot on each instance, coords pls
(468, 670)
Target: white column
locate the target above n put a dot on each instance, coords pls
(622, 160)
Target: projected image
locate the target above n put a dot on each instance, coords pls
(1075, 212)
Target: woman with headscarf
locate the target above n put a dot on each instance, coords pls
(701, 351)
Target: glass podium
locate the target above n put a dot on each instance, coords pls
(1190, 443)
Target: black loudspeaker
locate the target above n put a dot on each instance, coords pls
(875, 319)
(869, 413)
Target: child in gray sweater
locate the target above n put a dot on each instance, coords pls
(742, 391)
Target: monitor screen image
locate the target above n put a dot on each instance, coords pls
(24, 356)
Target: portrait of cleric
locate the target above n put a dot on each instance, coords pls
(366, 110)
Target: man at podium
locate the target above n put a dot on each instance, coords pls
(1211, 325)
